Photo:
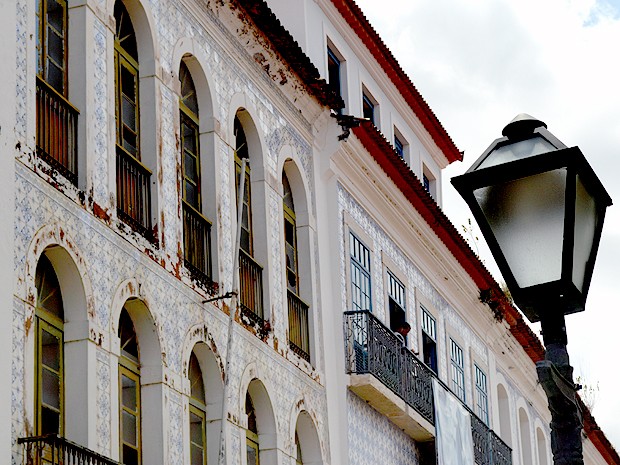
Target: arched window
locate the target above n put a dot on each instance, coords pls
(504, 415)
(299, 337)
(49, 351)
(250, 279)
(241, 152)
(542, 447)
(196, 228)
(197, 414)
(56, 117)
(251, 433)
(130, 414)
(307, 445)
(132, 177)
(290, 237)
(526, 443)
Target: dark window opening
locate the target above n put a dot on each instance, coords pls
(368, 108)
(399, 147)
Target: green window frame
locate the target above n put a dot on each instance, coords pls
(126, 83)
(190, 143)
(197, 435)
(130, 428)
(50, 379)
(197, 414)
(49, 351)
(129, 387)
(51, 43)
(251, 433)
(290, 237)
(246, 219)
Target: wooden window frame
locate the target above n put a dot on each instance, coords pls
(43, 26)
(482, 395)
(47, 323)
(122, 60)
(247, 203)
(291, 218)
(363, 270)
(130, 370)
(457, 370)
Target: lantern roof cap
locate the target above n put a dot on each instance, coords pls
(521, 126)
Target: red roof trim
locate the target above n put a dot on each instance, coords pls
(354, 16)
(411, 187)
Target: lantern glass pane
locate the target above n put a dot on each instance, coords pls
(527, 219)
(517, 151)
(586, 220)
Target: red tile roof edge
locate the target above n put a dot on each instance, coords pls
(354, 16)
(411, 187)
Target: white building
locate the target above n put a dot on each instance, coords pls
(132, 121)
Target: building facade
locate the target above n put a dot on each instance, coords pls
(207, 237)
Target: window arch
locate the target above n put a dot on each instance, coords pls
(261, 440)
(196, 227)
(56, 135)
(541, 442)
(50, 402)
(504, 414)
(524, 433)
(307, 444)
(250, 271)
(130, 410)
(251, 434)
(197, 414)
(132, 176)
(298, 324)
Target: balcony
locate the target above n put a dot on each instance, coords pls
(197, 243)
(394, 382)
(57, 131)
(134, 193)
(298, 334)
(251, 289)
(55, 450)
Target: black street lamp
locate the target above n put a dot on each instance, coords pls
(540, 207)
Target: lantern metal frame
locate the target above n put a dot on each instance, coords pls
(562, 293)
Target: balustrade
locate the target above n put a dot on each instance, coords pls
(298, 334)
(134, 192)
(372, 348)
(250, 288)
(56, 131)
(55, 450)
(196, 243)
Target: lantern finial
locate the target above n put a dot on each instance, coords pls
(521, 126)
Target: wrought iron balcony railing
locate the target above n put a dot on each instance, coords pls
(55, 450)
(57, 123)
(133, 192)
(250, 288)
(372, 348)
(298, 334)
(196, 243)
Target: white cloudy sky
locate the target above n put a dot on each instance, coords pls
(479, 63)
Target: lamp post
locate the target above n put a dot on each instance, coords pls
(540, 207)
